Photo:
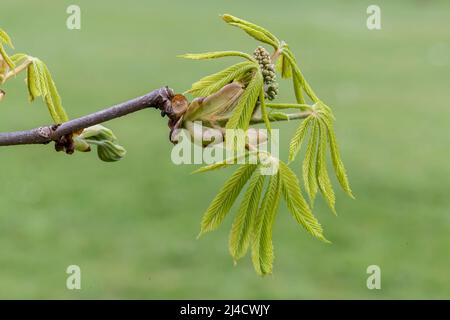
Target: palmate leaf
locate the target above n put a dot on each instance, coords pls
(309, 163)
(262, 247)
(213, 83)
(297, 140)
(257, 32)
(336, 158)
(41, 84)
(323, 179)
(243, 111)
(296, 203)
(223, 201)
(216, 55)
(242, 228)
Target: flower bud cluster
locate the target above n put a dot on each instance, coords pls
(268, 71)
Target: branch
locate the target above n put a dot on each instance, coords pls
(159, 99)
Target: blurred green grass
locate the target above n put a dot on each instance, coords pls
(132, 226)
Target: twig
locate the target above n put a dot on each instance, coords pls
(160, 99)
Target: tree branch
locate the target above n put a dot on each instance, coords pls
(159, 99)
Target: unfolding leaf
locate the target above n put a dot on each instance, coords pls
(216, 55)
(298, 89)
(241, 230)
(309, 163)
(213, 83)
(257, 32)
(40, 83)
(223, 201)
(264, 115)
(323, 179)
(336, 159)
(225, 163)
(296, 203)
(284, 67)
(4, 38)
(6, 58)
(262, 247)
(243, 111)
(297, 140)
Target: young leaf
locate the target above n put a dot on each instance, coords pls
(336, 159)
(300, 78)
(216, 55)
(264, 115)
(297, 140)
(241, 230)
(284, 67)
(18, 57)
(54, 98)
(253, 30)
(243, 111)
(298, 89)
(4, 38)
(223, 201)
(40, 83)
(262, 248)
(5, 57)
(213, 83)
(33, 82)
(309, 163)
(296, 203)
(225, 163)
(323, 179)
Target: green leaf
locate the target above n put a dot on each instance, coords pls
(265, 117)
(243, 111)
(213, 83)
(336, 158)
(241, 230)
(296, 204)
(300, 78)
(216, 55)
(5, 57)
(257, 32)
(33, 82)
(284, 67)
(309, 163)
(262, 248)
(40, 83)
(297, 140)
(54, 98)
(321, 169)
(225, 163)
(18, 57)
(4, 38)
(298, 89)
(223, 201)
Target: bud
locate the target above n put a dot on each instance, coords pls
(104, 139)
(110, 152)
(2, 94)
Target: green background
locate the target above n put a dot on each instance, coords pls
(131, 226)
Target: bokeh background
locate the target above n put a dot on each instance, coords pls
(131, 226)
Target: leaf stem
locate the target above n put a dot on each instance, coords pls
(17, 70)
